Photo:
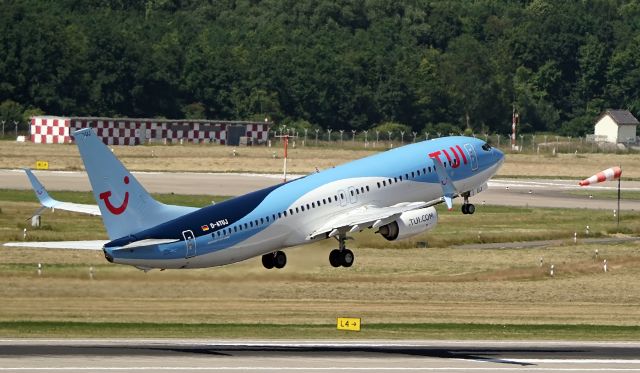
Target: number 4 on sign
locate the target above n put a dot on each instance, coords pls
(348, 323)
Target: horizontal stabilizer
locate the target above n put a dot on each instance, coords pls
(73, 245)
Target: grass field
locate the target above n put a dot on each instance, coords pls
(398, 290)
(215, 158)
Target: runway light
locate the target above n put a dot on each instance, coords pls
(604, 265)
(39, 269)
(575, 237)
(551, 273)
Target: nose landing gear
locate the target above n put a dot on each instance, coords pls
(467, 208)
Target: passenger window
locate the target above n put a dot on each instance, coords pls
(384, 183)
(302, 208)
(378, 184)
(290, 211)
(367, 188)
(418, 172)
(324, 201)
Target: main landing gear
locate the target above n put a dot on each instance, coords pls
(467, 208)
(341, 256)
(277, 259)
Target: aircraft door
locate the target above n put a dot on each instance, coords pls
(190, 242)
(473, 158)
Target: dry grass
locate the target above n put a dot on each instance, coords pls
(215, 158)
(393, 286)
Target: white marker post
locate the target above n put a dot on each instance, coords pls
(551, 271)
(91, 273)
(604, 266)
(24, 234)
(575, 237)
(39, 269)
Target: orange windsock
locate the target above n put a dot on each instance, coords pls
(608, 174)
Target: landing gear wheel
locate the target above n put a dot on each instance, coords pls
(471, 209)
(335, 258)
(347, 258)
(464, 209)
(268, 261)
(279, 259)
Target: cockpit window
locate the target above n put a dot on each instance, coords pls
(486, 147)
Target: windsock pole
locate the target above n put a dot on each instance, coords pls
(618, 214)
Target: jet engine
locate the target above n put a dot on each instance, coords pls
(410, 223)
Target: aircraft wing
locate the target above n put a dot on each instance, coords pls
(47, 202)
(369, 216)
(77, 245)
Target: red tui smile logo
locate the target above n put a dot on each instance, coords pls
(113, 209)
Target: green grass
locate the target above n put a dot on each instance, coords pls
(32, 329)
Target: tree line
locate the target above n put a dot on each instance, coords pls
(439, 66)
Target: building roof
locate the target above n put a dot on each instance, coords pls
(621, 117)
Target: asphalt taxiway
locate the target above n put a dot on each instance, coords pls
(506, 192)
(312, 356)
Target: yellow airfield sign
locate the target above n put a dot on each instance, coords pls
(349, 323)
(42, 165)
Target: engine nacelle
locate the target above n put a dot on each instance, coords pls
(410, 223)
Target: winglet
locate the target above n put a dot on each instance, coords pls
(449, 202)
(448, 189)
(39, 190)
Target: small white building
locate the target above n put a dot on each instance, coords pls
(616, 126)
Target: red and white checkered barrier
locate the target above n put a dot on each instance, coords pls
(50, 130)
(129, 131)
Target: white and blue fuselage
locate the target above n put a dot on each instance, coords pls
(290, 213)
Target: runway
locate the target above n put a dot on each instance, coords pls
(373, 356)
(505, 192)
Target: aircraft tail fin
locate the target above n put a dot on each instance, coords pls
(125, 205)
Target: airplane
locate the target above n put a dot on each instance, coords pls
(393, 192)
